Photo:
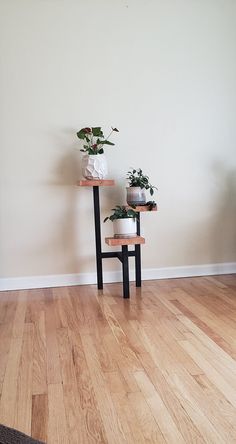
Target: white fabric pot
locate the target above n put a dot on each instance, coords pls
(126, 227)
(94, 166)
(136, 196)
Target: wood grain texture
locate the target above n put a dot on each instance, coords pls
(96, 183)
(113, 241)
(143, 208)
(82, 366)
(39, 417)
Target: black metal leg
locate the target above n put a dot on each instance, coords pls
(125, 269)
(138, 257)
(138, 266)
(98, 236)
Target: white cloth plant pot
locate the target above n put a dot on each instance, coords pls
(136, 196)
(94, 166)
(125, 228)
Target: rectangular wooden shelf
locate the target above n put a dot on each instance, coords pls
(143, 208)
(113, 241)
(96, 183)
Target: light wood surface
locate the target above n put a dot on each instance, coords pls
(96, 183)
(83, 366)
(143, 208)
(113, 241)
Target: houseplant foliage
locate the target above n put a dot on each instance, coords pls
(138, 184)
(94, 139)
(124, 221)
(94, 164)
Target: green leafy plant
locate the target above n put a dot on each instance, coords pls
(151, 204)
(136, 178)
(121, 212)
(94, 139)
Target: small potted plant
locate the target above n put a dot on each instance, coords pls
(124, 222)
(94, 164)
(138, 184)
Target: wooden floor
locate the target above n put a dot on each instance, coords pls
(82, 366)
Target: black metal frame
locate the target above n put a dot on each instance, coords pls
(122, 255)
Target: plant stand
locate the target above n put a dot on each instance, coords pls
(125, 253)
(123, 256)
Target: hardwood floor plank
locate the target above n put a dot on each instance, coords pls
(222, 362)
(217, 417)
(210, 372)
(52, 349)
(39, 417)
(57, 431)
(89, 421)
(186, 398)
(127, 418)
(8, 304)
(75, 422)
(23, 405)
(19, 319)
(40, 356)
(221, 408)
(183, 422)
(9, 387)
(83, 366)
(206, 315)
(145, 419)
(5, 343)
(111, 422)
(211, 333)
(207, 340)
(158, 409)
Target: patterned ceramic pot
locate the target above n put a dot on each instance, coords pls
(94, 166)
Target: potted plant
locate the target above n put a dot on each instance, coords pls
(94, 164)
(124, 222)
(138, 184)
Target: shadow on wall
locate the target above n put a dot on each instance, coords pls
(223, 236)
(67, 238)
(62, 185)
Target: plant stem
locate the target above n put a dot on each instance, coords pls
(109, 134)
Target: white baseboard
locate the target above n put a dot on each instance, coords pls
(62, 280)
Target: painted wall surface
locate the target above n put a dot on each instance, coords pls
(164, 73)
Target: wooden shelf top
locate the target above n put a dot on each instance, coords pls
(95, 183)
(143, 208)
(114, 241)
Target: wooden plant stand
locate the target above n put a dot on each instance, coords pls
(125, 253)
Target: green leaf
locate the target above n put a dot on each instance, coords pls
(101, 151)
(107, 142)
(97, 132)
(81, 134)
(91, 151)
(151, 191)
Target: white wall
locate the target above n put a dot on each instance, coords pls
(164, 73)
